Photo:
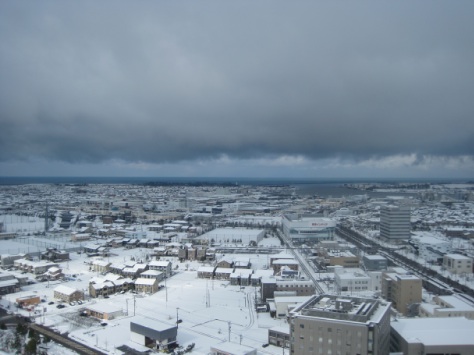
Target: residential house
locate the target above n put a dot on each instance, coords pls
(68, 294)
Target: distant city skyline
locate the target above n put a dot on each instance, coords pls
(211, 89)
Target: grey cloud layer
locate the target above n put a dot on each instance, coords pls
(159, 82)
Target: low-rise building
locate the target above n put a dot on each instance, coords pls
(161, 265)
(279, 336)
(68, 294)
(104, 311)
(145, 285)
(228, 348)
(351, 280)
(448, 306)
(153, 274)
(425, 336)
(457, 264)
(241, 277)
(152, 333)
(374, 262)
(100, 266)
(277, 265)
(223, 273)
(206, 272)
(30, 300)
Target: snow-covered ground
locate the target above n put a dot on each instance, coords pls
(205, 319)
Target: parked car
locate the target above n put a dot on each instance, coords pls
(60, 306)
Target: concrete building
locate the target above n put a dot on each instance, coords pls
(427, 336)
(374, 262)
(457, 264)
(237, 236)
(284, 304)
(395, 225)
(403, 290)
(308, 229)
(271, 285)
(330, 324)
(228, 348)
(351, 281)
(448, 306)
(277, 265)
(279, 336)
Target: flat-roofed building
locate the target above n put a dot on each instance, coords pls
(228, 348)
(426, 336)
(233, 236)
(284, 304)
(308, 228)
(448, 306)
(152, 333)
(279, 336)
(329, 324)
(351, 281)
(105, 311)
(289, 263)
(374, 262)
(403, 290)
(457, 264)
(395, 223)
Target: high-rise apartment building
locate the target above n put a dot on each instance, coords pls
(329, 324)
(395, 224)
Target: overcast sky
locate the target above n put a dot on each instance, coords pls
(224, 88)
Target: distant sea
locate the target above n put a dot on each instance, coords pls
(307, 186)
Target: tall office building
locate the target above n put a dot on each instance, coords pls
(329, 324)
(395, 224)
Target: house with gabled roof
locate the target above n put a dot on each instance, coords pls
(146, 285)
(68, 294)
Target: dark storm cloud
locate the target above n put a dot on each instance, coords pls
(157, 82)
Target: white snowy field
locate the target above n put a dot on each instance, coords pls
(207, 308)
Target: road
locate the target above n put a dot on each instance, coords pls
(305, 267)
(432, 280)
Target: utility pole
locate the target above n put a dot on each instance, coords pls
(177, 317)
(134, 304)
(229, 329)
